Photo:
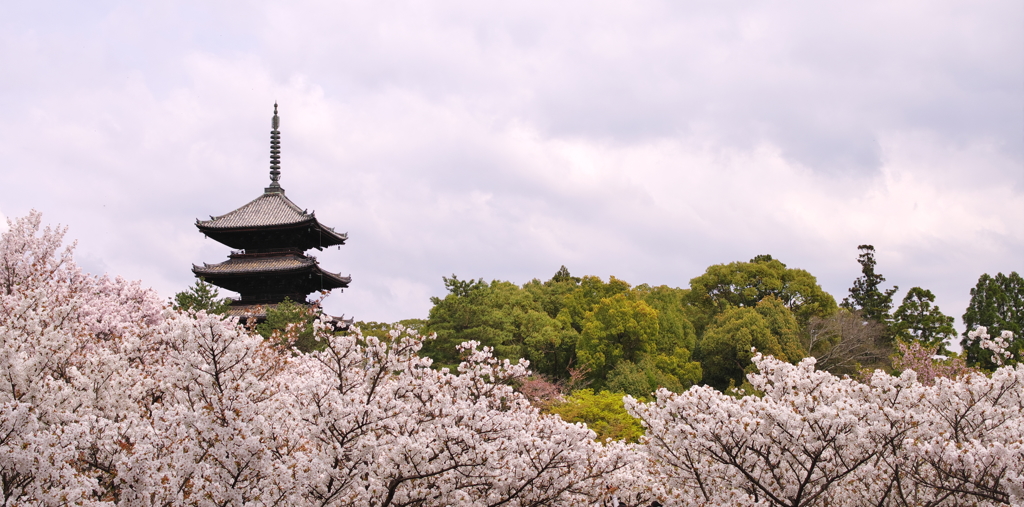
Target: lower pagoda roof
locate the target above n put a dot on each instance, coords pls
(280, 272)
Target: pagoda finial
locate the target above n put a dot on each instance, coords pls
(275, 155)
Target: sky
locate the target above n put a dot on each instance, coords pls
(645, 140)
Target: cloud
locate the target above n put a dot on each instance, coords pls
(642, 140)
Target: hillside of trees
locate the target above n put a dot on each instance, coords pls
(637, 339)
(111, 396)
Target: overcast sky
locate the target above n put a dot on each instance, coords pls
(643, 139)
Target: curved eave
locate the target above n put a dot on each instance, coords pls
(328, 280)
(316, 235)
(326, 235)
(207, 227)
(210, 272)
(341, 282)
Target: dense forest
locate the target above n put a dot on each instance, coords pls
(613, 336)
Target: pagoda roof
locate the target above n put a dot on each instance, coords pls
(270, 211)
(248, 264)
(262, 264)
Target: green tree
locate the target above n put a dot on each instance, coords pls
(201, 296)
(744, 284)
(291, 324)
(545, 321)
(552, 294)
(460, 288)
(562, 275)
(619, 328)
(654, 371)
(674, 328)
(784, 326)
(724, 350)
(997, 302)
(500, 315)
(602, 412)
(630, 378)
(865, 295)
(919, 320)
(590, 291)
(671, 366)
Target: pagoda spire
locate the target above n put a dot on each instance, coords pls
(275, 155)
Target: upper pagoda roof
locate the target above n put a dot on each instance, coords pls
(269, 209)
(271, 221)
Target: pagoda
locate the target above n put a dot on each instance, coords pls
(269, 237)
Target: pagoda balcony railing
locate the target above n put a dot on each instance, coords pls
(257, 251)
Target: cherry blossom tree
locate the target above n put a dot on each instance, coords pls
(69, 345)
(928, 363)
(813, 438)
(392, 428)
(109, 397)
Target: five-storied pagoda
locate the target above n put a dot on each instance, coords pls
(269, 236)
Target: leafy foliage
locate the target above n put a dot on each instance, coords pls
(602, 412)
(727, 347)
(569, 324)
(617, 329)
(997, 303)
(291, 324)
(635, 340)
(874, 304)
(918, 320)
(201, 296)
(503, 316)
(745, 284)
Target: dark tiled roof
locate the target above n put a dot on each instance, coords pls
(268, 264)
(269, 209)
(251, 264)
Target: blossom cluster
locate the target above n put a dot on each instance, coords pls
(109, 397)
(812, 438)
(998, 345)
